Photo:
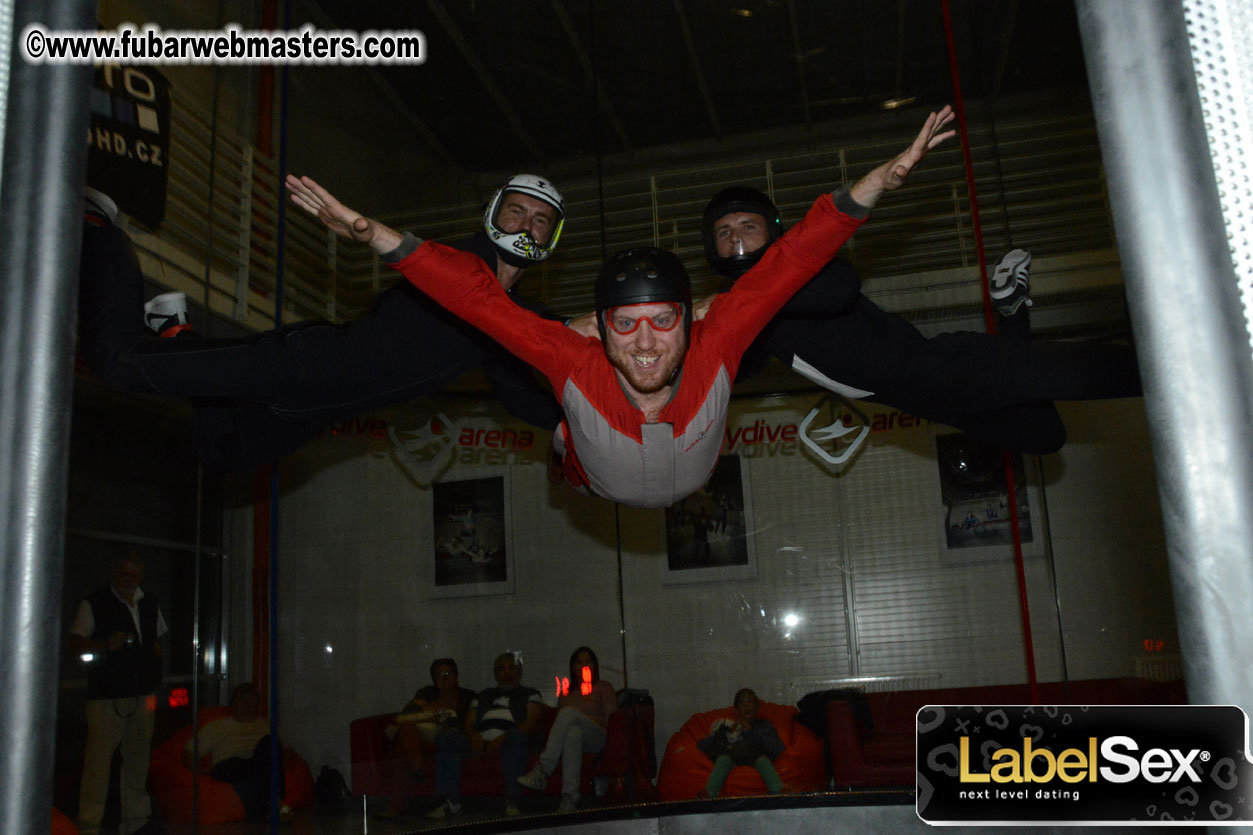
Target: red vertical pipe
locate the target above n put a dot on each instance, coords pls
(989, 317)
(959, 103)
(261, 581)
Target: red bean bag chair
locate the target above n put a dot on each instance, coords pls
(61, 825)
(685, 769)
(171, 781)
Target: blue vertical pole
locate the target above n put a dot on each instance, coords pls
(276, 760)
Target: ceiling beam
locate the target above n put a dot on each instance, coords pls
(1007, 40)
(801, 58)
(428, 136)
(606, 106)
(700, 75)
(499, 97)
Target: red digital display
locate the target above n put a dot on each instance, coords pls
(585, 686)
(1154, 645)
(178, 697)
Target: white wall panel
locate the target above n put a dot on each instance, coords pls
(1113, 581)
(354, 527)
(864, 546)
(740, 637)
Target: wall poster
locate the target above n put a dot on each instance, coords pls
(975, 500)
(708, 534)
(472, 542)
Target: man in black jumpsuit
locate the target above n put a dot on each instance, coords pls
(997, 389)
(261, 397)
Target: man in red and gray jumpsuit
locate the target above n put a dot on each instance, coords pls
(644, 410)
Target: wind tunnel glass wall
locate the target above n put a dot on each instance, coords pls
(439, 527)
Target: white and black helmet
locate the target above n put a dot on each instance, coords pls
(519, 249)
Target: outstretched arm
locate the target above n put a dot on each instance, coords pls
(343, 221)
(892, 174)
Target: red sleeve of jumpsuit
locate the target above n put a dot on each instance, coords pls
(461, 284)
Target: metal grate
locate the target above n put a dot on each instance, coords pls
(1157, 667)
(1220, 35)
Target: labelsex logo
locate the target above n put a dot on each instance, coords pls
(1039, 765)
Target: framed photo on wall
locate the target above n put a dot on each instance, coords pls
(472, 538)
(708, 534)
(975, 501)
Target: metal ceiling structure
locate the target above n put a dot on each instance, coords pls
(528, 82)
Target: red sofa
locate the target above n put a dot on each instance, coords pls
(624, 760)
(883, 753)
(685, 769)
(171, 781)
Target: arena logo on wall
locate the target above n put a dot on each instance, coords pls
(485, 440)
(425, 441)
(1170, 765)
(767, 438)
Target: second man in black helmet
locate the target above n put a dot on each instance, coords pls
(999, 390)
(645, 410)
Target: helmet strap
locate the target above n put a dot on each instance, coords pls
(510, 257)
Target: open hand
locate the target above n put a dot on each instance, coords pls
(928, 138)
(891, 175)
(701, 307)
(585, 325)
(343, 221)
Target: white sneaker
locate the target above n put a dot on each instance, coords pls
(98, 202)
(568, 804)
(447, 809)
(534, 779)
(1009, 286)
(166, 311)
(512, 810)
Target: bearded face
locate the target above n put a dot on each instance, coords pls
(646, 343)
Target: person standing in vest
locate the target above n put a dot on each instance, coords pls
(117, 632)
(502, 719)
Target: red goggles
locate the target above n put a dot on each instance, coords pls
(621, 322)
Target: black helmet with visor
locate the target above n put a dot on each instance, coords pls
(729, 201)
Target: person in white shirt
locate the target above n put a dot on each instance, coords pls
(117, 632)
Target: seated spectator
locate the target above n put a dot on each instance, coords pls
(746, 740)
(582, 717)
(502, 719)
(238, 748)
(441, 705)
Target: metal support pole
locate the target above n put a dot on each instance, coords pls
(45, 161)
(1188, 321)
